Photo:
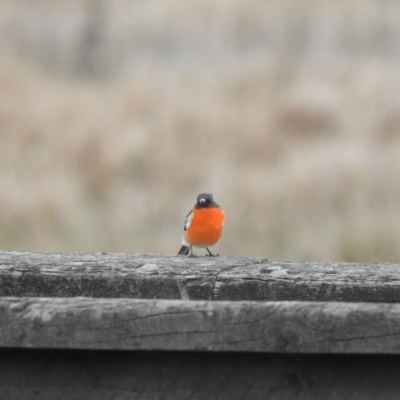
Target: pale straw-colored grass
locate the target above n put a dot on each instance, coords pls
(288, 114)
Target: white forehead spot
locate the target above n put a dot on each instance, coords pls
(202, 200)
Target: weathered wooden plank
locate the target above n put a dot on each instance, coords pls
(130, 324)
(105, 375)
(204, 278)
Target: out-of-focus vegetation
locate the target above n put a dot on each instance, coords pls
(115, 114)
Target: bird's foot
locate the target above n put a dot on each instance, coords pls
(211, 254)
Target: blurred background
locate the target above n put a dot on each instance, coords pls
(115, 114)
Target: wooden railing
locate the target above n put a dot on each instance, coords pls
(75, 325)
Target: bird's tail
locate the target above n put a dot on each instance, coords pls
(184, 251)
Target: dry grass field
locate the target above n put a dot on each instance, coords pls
(115, 114)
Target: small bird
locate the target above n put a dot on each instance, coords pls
(203, 225)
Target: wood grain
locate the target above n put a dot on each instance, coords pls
(203, 278)
(129, 324)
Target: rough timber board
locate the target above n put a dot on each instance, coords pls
(203, 278)
(105, 375)
(130, 324)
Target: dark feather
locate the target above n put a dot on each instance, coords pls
(184, 251)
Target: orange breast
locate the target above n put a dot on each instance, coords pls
(206, 227)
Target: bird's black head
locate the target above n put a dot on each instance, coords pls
(205, 200)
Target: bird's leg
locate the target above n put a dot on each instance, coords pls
(191, 252)
(211, 254)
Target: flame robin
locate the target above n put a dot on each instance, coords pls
(203, 225)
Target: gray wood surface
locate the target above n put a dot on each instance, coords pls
(131, 324)
(203, 278)
(117, 375)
